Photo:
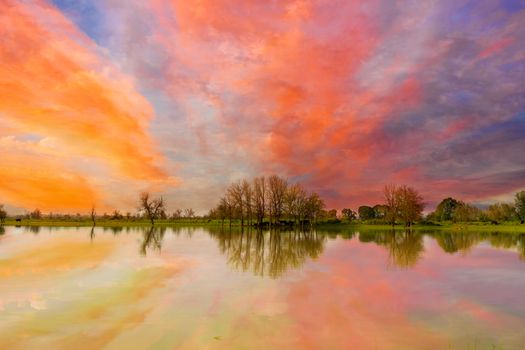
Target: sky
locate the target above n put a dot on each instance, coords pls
(101, 100)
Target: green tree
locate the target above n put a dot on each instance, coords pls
(500, 212)
(349, 214)
(445, 209)
(314, 207)
(465, 212)
(519, 203)
(380, 211)
(410, 204)
(366, 212)
(332, 214)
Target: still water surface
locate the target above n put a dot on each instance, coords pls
(195, 288)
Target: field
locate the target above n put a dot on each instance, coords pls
(511, 227)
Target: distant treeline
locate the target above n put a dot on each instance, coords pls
(273, 201)
(187, 214)
(448, 210)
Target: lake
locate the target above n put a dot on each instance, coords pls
(204, 288)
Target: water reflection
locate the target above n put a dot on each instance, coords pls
(464, 242)
(272, 253)
(140, 287)
(269, 253)
(405, 249)
(152, 239)
(33, 229)
(457, 241)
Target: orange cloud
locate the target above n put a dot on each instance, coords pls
(31, 181)
(55, 83)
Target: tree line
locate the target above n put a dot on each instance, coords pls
(148, 208)
(401, 204)
(450, 209)
(273, 201)
(268, 201)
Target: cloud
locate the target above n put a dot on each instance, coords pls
(342, 95)
(54, 82)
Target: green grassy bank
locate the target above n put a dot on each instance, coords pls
(328, 226)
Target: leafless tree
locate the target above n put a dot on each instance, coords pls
(276, 195)
(295, 200)
(314, 207)
(152, 207)
(177, 214)
(259, 198)
(35, 214)
(226, 208)
(236, 197)
(189, 213)
(247, 192)
(93, 215)
(391, 203)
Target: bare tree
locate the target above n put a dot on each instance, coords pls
(35, 214)
(314, 207)
(295, 200)
(152, 207)
(391, 203)
(236, 197)
(247, 192)
(276, 195)
(93, 215)
(177, 214)
(189, 213)
(259, 198)
(226, 205)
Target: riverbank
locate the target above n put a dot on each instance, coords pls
(325, 226)
(460, 227)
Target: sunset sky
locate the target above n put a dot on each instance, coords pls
(103, 99)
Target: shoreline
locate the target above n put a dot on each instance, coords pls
(325, 226)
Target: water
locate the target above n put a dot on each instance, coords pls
(195, 288)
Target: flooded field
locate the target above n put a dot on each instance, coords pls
(201, 288)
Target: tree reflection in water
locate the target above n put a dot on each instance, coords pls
(269, 253)
(272, 253)
(405, 248)
(152, 239)
(453, 242)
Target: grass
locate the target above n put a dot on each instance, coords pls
(110, 223)
(514, 227)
